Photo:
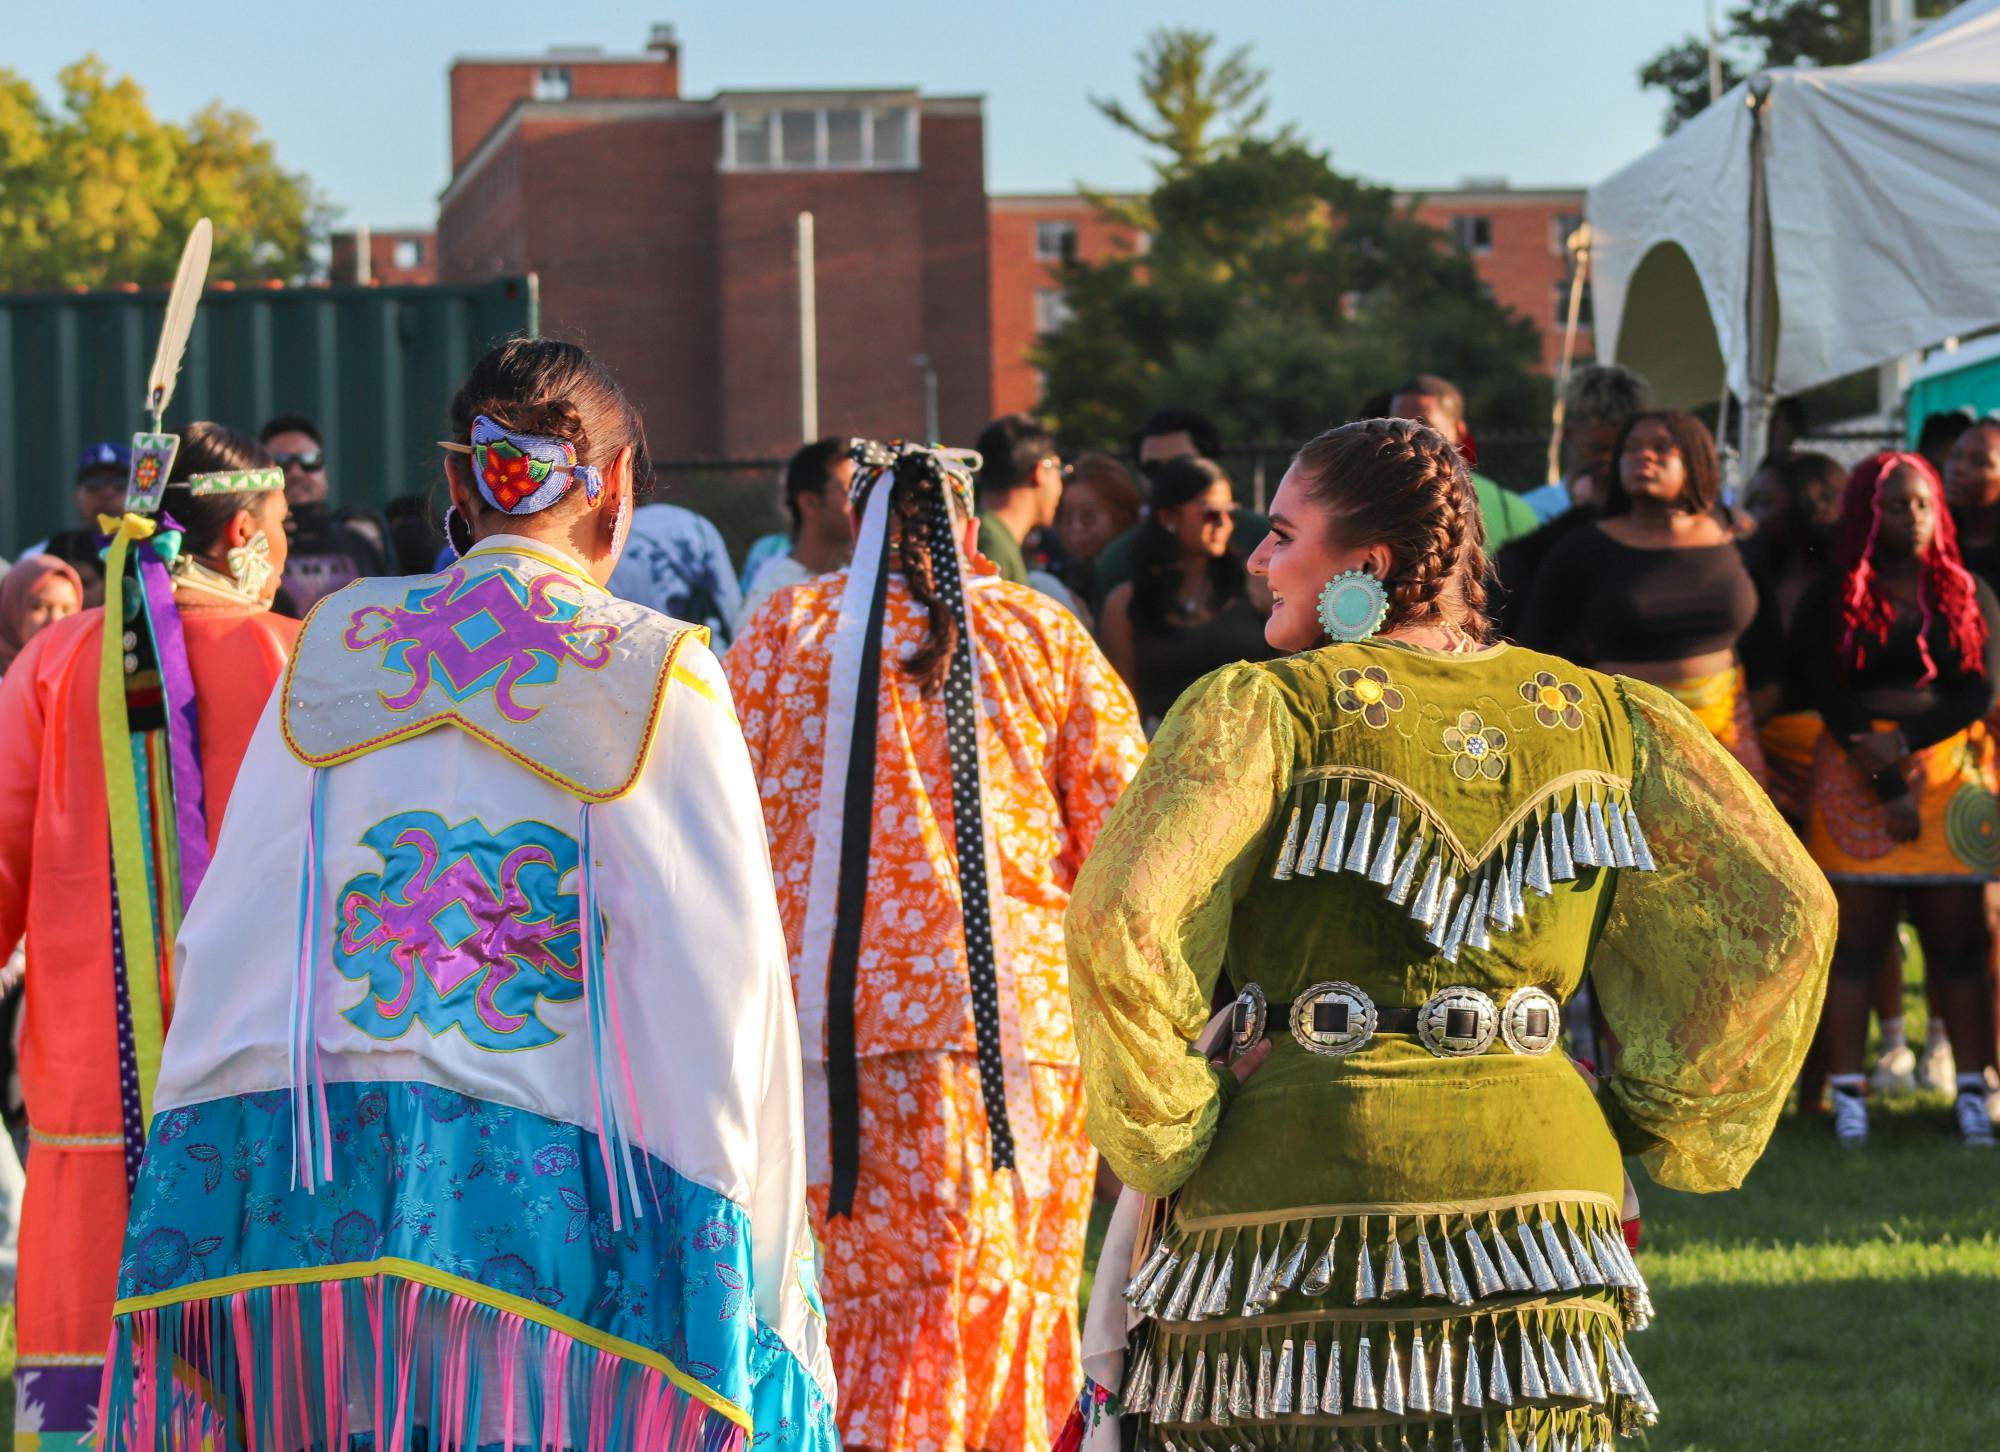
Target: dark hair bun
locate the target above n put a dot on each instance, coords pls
(552, 418)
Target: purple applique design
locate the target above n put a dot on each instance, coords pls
(463, 928)
(471, 633)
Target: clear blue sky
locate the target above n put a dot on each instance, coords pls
(1540, 91)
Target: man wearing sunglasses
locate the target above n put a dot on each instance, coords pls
(328, 550)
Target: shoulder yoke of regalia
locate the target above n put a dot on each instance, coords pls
(518, 651)
(1456, 783)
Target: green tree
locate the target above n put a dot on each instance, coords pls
(97, 191)
(1275, 294)
(1758, 35)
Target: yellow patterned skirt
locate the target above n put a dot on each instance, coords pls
(1721, 702)
(1957, 794)
(951, 1293)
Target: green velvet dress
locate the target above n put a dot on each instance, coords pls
(1390, 1243)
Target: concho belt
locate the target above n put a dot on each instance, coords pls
(1338, 1018)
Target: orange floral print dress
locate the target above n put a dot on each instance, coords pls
(950, 1291)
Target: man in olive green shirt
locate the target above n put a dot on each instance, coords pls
(1436, 401)
(1020, 486)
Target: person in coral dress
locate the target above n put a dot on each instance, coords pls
(935, 749)
(185, 680)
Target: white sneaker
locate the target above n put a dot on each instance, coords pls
(1940, 1070)
(1895, 1071)
(1850, 1115)
(1974, 1127)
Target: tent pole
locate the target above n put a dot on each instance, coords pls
(1756, 405)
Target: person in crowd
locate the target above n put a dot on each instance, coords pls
(676, 563)
(1165, 434)
(99, 492)
(536, 940)
(822, 539)
(1437, 402)
(1897, 647)
(1187, 609)
(1657, 589)
(1597, 400)
(1787, 426)
(1100, 503)
(328, 549)
(936, 747)
(1793, 500)
(1972, 488)
(1388, 1205)
(119, 755)
(415, 536)
(1020, 489)
(1937, 433)
(34, 595)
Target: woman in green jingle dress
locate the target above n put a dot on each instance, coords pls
(1397, 1214)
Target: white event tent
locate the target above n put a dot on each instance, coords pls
(1810, 224)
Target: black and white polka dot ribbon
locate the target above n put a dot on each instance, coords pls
(857, 830)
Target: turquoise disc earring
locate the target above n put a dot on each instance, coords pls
(1353, 606)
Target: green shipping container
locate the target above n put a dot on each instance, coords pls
(374, 366)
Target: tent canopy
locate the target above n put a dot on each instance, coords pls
(1881, 183)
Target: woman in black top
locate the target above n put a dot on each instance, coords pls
(1898, 649)
(1657, 589)
(1187, 609)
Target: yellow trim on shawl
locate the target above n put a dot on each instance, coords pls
(484, 1295)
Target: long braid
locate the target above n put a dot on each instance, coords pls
(919, 491)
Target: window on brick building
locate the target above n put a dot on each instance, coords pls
(1560, 226)
(409, 253)
(552, 83)
(820, 138)
(1562, 306)
(1474, 232)
(845, 141)
(1055, 241)
(750, 135)
(1052, 310)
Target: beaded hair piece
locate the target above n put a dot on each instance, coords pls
(524, 473)
(237, 481)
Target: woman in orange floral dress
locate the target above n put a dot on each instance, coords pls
(928, 808)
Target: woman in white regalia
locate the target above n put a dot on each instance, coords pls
(479, 1122)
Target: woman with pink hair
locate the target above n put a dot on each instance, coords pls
(1897, 647)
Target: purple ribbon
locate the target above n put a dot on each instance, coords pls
(183, 727)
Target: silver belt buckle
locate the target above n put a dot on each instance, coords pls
(1333, 1018)
(1246, 1021)
(1532, 1021)
(1457, 1022)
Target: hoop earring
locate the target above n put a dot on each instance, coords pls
(1353, 606)
(454, 526)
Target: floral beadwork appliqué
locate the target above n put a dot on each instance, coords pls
(1476, 748)
(1555, 702)
(1367, 691)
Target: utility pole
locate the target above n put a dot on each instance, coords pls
(922, 361)
(808, 334)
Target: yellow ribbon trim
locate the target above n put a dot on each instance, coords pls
(411, 1270)
(121, 795)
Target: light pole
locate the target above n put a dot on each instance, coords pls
(923, 361)
(808, 334)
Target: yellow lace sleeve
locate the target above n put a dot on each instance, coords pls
(1149, 921)
(1710, 970)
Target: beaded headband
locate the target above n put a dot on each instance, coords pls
(523, 473)
(237, 481)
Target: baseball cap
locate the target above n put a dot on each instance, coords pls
(103, 457)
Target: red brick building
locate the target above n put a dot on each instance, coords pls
(663, 230)
(403, 257)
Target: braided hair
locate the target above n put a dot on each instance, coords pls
(1944, 587)
(921, 497)
(1401, 483)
